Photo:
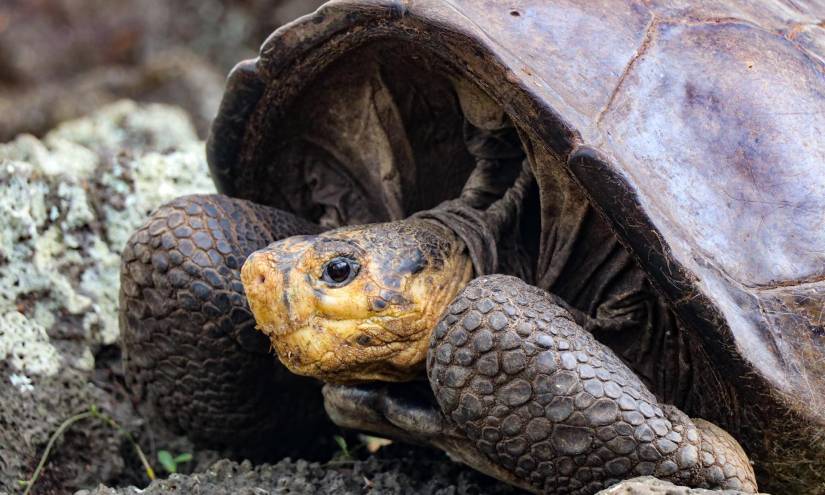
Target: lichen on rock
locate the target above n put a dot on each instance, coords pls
(25, 345)
(72, 199)
(69, 202)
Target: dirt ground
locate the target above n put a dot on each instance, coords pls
(91, 453)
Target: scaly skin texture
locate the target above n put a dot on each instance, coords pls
(542, 398)
(544, 405)
(376, 327)
(188, 336)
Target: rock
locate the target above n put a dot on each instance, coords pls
(648, 485)
(32, 410)
(73, 199)
(68, 203)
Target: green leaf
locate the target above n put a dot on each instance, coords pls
(181, 458)
(342, 444)
(167, 461)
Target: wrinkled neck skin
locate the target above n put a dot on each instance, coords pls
(378, 325)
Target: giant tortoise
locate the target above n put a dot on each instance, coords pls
(540, 235)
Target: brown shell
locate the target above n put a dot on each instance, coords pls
(696, 127)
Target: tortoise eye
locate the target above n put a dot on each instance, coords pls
(339, 271)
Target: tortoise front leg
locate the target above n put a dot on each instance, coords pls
(190, 345)
(555, 409)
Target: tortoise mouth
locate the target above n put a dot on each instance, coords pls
(332, 359)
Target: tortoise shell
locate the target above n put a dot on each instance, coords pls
(695, 128)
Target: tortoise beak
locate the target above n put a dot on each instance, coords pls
(265, 291)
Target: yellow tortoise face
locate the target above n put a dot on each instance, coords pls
(357, 303)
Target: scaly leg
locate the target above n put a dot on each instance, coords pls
(557, 410)
(189, 339)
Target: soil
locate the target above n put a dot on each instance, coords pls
(91, 453)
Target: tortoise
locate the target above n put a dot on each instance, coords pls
(638, 185)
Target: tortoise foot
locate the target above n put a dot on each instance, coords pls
(556, 410)
(189, 339)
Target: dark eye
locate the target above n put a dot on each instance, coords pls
(338, 271)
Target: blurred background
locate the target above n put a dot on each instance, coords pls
(61, 59)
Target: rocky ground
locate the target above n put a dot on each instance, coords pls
(373, 476)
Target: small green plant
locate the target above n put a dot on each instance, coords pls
(170, 463)
(344, 452)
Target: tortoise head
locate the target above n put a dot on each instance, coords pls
(356, 303)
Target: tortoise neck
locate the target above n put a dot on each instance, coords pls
(471, 227)
(483, 230)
